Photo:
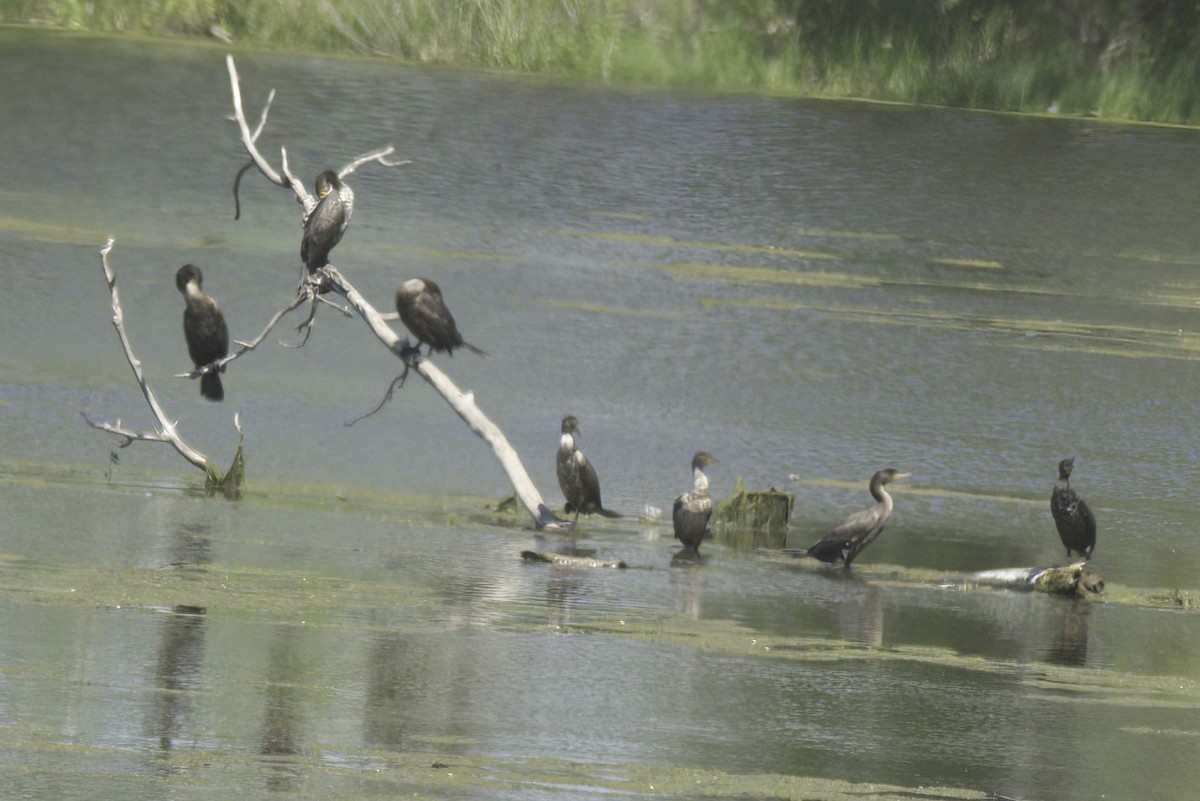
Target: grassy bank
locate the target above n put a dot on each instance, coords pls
(1125, 59)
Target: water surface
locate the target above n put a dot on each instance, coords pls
(807, 288)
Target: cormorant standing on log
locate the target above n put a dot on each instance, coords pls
(203, 328)
(424, 313)
(846, 540)
(325, 225)
(576, 476)
(693, 508)
(1075, 521)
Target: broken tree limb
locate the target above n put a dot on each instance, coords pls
(228, 483)
(329, 276)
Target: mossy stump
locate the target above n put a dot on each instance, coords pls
(755, 519)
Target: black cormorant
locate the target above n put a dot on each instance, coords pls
(576, 476)
(846, 540)
(424, 313)
(203, 328)
(325, 225)
(1075, 521)
(693, 508)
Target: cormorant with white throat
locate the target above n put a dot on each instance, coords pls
(846, 540)
(1075, 521)
(576, 476)
(424, 313)
(325, 225)
(693, 508)
(203, 328)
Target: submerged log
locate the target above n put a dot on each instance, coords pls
(755, 519)
(568, 561)
(1073, 579)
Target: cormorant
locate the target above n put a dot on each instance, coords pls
(424, 313)
(1075, 521)
(203, 328)
(846, 540)
(325, 225)
(693, 508)
(576, 476)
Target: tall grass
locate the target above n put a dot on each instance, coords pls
(1022, 55)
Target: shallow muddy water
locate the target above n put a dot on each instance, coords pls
(802, 288)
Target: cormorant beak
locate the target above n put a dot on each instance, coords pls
(324, 192)
(901, 475)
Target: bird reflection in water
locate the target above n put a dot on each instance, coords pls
(1069, 645)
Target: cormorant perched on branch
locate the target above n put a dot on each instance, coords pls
(424, 313)
(203, 328)
(325, 225)
(1075, 521)
(576, 476)
(847, 539)
(693, 508)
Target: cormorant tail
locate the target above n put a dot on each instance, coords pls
(608, 512)
(474, 349)
(210, 386)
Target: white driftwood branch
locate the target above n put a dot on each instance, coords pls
(127, 435)
(375, 155)
(166, 431)
(462, 403)
(288, 179)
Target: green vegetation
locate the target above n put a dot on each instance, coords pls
(1130, 59)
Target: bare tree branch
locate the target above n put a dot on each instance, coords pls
(288, 179)
(463, 403)
(375, 155)
(246, 346)
(166, 431)
(127, 435)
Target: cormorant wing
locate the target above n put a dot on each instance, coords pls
(847, 538)
(1089, 520)
(322, 231)
(589, 480)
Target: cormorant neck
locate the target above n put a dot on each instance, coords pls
(699, 481)
(880, 494)
(196, 296)
(566, 442)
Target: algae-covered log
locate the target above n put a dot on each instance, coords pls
(755, 519)
(567, 561)
(1073, 579)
